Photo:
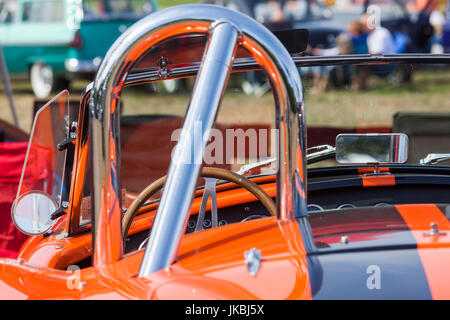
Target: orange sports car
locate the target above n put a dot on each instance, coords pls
(336, 193)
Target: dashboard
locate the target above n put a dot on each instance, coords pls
(333, 193)
(234, 214)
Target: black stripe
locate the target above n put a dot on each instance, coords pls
(346, 275)
(348, 271)
(445, 209)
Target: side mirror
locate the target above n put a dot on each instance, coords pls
(30, 213)
(41, 188)
(371, 148)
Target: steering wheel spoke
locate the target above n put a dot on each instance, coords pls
(209, 192)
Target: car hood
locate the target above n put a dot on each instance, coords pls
(380, 253)
(375, 228)
(365, 253)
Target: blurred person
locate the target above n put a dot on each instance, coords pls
(354, 41)
(437, 21)
(269, 11)
(420, 5)
(338, 74)
(379, 39)
(295, 10)
(358, 36)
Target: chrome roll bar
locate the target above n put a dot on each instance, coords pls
(226, 30)
(184, 168)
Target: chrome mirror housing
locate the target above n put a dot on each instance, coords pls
(31, 213)
(226, 30)
(372, 148)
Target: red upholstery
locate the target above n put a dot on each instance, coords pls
(12, 156)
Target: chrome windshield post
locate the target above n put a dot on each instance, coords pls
(171, 217)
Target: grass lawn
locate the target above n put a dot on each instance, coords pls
(169, 3)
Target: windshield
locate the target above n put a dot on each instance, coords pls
(101, 9)
(411, 99)
(396, 98)
(43, 170)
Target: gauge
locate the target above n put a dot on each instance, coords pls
(192, 224)
(313, 207)
(346, 206)
(222, 223)
(206, 223)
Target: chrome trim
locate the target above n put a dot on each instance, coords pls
(435, 158)
(434, 230)
(327, 151)
(251, 166)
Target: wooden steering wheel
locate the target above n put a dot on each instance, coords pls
(207, 172)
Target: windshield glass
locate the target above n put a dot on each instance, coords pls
(101, 9)
(397, 98)
(44, 164)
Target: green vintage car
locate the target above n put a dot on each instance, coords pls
(53, 41)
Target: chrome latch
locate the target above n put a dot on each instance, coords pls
(253, 261)
(434, 230)
(163, 71)
(70, 139)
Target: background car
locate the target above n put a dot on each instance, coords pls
(53, 41)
